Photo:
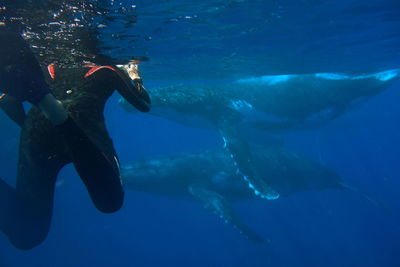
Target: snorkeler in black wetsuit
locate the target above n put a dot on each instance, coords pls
(55, 134)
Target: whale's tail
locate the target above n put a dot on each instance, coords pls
(368, 196)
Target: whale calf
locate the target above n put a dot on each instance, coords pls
(210, 177)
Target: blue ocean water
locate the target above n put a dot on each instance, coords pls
(187, 41)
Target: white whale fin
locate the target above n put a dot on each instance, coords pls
(218, 205)
(242, 158)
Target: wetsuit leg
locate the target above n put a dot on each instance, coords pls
(25, 212)
(20, 72)
(98, 171)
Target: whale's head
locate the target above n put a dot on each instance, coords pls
(160, 175)
(142, 173)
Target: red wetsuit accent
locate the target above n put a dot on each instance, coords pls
(51, 70)
(133, 91)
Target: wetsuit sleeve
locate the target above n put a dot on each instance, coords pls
(13, 108)
(20, 72)
(132, 91)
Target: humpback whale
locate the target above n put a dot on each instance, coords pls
(210, 177)
(272, 103)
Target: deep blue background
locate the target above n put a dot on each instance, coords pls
(329, 228)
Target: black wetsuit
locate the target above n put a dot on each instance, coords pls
(25, 212)
(43, 152)
(20, 73)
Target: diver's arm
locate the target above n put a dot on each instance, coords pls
(126, 80)
(49, 105)
(53, 109)
(132, 89)
(13, 108)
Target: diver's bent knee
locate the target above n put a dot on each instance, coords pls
(110, 204)
(26, 241)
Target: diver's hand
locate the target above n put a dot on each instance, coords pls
(139, 85)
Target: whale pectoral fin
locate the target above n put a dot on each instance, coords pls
(218, 205)
(242, 157)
